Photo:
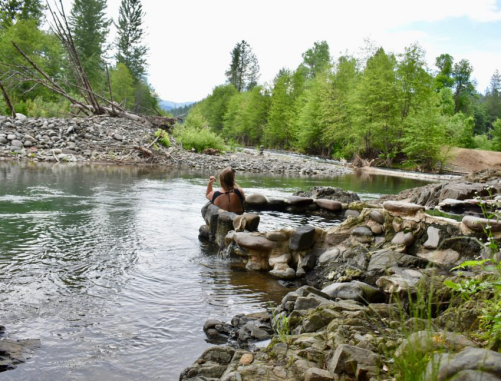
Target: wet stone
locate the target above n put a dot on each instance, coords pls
(303, 238)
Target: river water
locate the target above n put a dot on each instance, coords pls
(103, 264)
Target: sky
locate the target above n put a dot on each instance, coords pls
(190, 40)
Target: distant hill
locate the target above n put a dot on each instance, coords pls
(169, 105)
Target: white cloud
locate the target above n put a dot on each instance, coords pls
(190, 40)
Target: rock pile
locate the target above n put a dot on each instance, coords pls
(106, 139)
(343, 324)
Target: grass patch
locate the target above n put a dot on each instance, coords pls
(198, 139)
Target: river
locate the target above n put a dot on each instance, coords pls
(103, 264)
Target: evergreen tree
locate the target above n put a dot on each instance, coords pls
(316, 59)
(130, 49)
(444, 79)
(15, 10)
(244, 67)
(493, 99)
(463, 86)
(90, 28)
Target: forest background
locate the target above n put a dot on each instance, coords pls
(386, 106)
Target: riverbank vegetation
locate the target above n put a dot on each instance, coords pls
(24, 23)
(390, 107)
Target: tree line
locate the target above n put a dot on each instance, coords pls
(24, 22)
(386, 106)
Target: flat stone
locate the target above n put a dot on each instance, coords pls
(331, 205)
(328, 256)
(276, 236)
(480, 224)
(402, 238)
(443, 257)
(303, 238)
(377, 216)
(11, 137)
(402, 207)
(299, 201)
(16, 143)
(433, 238)
(258, 243)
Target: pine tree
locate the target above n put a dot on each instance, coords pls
(317, 58)
(131, 51)
(244, 67)
(90, 28)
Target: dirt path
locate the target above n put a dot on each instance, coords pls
(468, 160)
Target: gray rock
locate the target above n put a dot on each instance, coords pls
(363, 234)
(255, 242)
(16, 143)
(331, 193)
(3, 140)
(256, 201)
(331, 205)
(427, 341)
(276, 236)
(472, 359)
(328, 256)
(402, 238)
(377, 216)
(299, 201)
(353, 213)
(347, 358)
(480, 224)
(303, 238)
(14, 352)
(11, 137)
(316, 374)
(249, 222)
(276, 204)
(382, 260)
(355, 290)
(310, 302)
(402, 207)
(400, 280)
(442, 257)
(433, 238)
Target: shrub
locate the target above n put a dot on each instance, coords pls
(163, 137)
(198, 138)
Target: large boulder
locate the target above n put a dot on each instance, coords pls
(331, 193)
(354, 290)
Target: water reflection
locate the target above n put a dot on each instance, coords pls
(103, 264)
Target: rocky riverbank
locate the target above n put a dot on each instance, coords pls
(384, 298)
(123, 141)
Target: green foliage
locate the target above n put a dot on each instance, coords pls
(199, 139)
(42, 47)
(214, 107)
(246, 116)
(482, 142)
(39, 108)
(281, 326)
(163, 137)
(122, 85)
(459, 130)
(130, 34)
(12, 11)
(496, 135)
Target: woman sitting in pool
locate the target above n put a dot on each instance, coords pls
(229, 197)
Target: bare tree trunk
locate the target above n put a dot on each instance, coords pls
(7, 100)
